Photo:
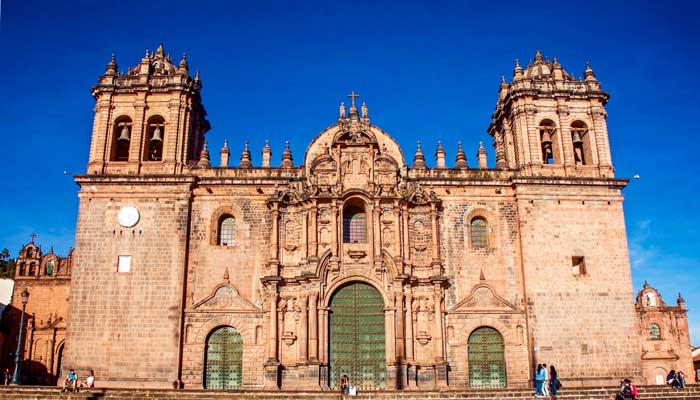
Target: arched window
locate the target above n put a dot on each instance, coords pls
(32, 269)
(22, 269)
(121, 139)
(354, 224)
(580, 142)
(478, 233)
(654, 332)
(28, 252)
(549, 142)
(227, 230)
(153, 145)
(224, 359)
(487, 365)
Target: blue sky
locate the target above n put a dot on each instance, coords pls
(427, 71)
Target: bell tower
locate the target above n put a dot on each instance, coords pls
(149, 120)
(549, 123)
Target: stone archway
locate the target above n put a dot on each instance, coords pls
(223, 363)
(356, 345)
(487, 367)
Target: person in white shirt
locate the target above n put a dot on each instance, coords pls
(89, 381)
(545, 386)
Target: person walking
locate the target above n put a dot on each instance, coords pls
(545, 383)
(554, 384)
(539, 381)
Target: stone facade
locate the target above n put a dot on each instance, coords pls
(665, 337)
(482, 272)
(46, 277)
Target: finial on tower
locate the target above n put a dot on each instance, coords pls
(342, 109)
(440, 155)
(461, 159)
(588, 73)
(266, 155)
(112, 66)
(481, 156)
(538, 57)
(224, 155)
(287, 161)
(365, 113)
(204, 161)
(418, 158)
(517, 71)
(353, 108)
(246, 161)
(183, 67)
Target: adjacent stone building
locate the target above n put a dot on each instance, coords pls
(353, 261)
(46, 277)
(665, 336)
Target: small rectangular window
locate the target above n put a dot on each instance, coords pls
(578, 265)
(124, 264)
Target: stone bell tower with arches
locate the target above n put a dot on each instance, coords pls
(547, 122)
(149, 120)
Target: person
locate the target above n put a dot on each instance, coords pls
(71, 381)
(89, 381)
(680, 379)
(344, 385)
(545, 383)
(628, 391)
(554, 384)
(671, 377)
(539, 381)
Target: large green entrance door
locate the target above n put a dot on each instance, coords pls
(356, 346)
(223, 360)
(487, 367)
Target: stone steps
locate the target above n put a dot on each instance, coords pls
(692, 392)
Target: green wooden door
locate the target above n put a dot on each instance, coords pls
(487, 367)
(356, 346)
(223, 360)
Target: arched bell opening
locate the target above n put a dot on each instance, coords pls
(121, 139)
(153, 139)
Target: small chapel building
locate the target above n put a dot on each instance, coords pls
(354, 261)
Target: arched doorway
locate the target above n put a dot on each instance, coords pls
(487, 366)
(357, 338)
(59, 362)
(223, 359)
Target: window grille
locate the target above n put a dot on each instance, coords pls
(654, 332)
(354, 227)
(227, 230)
(479, 237)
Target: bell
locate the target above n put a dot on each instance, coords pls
(157, 135)
(546, 138)
(577, 137)
(124, 134)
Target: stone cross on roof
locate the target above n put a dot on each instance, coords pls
(352, 95)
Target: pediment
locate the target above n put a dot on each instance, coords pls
(483, 298)
(224, 297)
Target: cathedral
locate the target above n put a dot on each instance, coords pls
(358, 259)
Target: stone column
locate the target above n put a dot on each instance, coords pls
(274, 241)
(439, 334)
(410, 368)
(313, 327)
(436, 242)
(272, 363)
(305, 233)
(313, 244)
(303, 334)
(370, 232)
(398, 305)
(137, 135)
(390, 345)
(335, 226)
(272, 343)
(406, 251)
(377, 232)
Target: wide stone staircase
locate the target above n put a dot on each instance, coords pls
(588, 393)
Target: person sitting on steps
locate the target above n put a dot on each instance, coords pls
(71, 382)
